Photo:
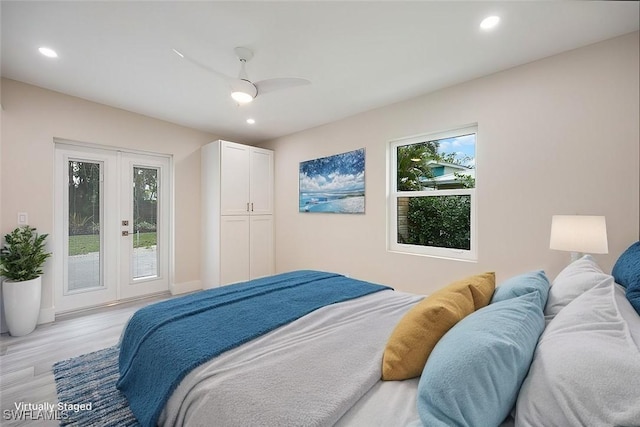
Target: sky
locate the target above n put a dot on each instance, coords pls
(463, 146)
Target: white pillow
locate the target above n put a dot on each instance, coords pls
(586, 368)
(576, 278)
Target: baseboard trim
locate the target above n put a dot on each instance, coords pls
(185, 287)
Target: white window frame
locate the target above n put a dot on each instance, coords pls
(393, 194)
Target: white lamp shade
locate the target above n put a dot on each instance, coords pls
(579, 233)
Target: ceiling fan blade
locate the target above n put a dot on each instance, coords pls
(203, 66)
(269, 85)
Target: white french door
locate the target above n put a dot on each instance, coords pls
(113, 225)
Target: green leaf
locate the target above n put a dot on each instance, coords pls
(23, 255)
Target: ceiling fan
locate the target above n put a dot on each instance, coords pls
(244, 90)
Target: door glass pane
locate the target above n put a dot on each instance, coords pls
(83, 265)
(145, 224)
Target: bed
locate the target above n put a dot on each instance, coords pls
(352, 353)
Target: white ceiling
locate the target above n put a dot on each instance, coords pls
(359, 55)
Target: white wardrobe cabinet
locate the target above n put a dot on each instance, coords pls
(246, 183)
(237, 213)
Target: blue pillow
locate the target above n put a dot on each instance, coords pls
(521, 285)
(626, 272)
(474, 373)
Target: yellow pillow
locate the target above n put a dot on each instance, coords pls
(418, 332)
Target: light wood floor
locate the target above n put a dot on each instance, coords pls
(25, 362)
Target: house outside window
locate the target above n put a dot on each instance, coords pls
(432, 207)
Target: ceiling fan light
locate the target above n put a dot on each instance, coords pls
(241, 97)
(243, 91)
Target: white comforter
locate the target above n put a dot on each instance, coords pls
(307, 373)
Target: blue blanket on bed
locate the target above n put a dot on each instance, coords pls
(163, 342)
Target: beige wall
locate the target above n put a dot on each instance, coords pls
(557, 136)
(33, 116)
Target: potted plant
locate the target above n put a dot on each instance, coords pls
(21, 261)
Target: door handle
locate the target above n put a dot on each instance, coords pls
(251, 206)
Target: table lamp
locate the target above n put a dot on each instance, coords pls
(579, 234)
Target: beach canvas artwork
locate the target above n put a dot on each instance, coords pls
(333, 184)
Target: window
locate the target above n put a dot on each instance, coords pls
(432, 183)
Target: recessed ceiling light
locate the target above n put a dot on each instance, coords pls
(489, 22)
(251, 121)
(49, 53)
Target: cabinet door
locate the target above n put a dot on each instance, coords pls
(261, 193)
(234, 249)
(262, 248)
(234, 179)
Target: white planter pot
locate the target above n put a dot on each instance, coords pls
(21, 305)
